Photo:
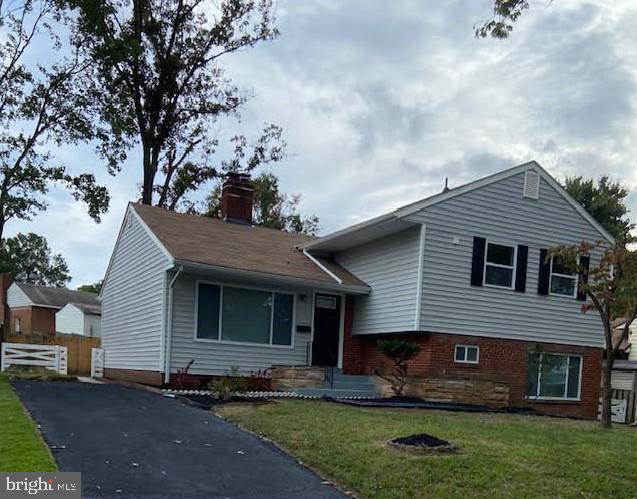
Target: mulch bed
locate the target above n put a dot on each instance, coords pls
(207, 402)
(423, 443)
(416, 403)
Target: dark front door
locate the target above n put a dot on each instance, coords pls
(327, 325)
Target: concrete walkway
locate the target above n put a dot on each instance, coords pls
(131, 443)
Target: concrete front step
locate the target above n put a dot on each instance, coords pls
(351, 385)
(326, 392)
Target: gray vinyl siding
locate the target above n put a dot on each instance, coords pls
(132, 301)
(390, 266)
(215, 357)
(500, 213)
(17, 298)
(69, 320)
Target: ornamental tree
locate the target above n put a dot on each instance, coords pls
(610, 287)
(399, 352)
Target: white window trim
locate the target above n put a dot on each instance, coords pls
(455, 354)
(246, 343)
(568, 276)
(579, 384)
(512, 267)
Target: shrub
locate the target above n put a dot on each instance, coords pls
(184, 380)
(224, 387)
(36, 373)
(399, 352)
(259, 380)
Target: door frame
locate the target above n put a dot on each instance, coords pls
(341, 326)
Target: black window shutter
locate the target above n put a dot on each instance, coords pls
(477, 265)
(584, 262)
(520, 269)
(544, 274)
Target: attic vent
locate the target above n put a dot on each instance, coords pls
(531, 185)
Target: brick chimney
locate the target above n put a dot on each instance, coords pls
(236, 199)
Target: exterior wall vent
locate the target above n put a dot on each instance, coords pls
(531, 184)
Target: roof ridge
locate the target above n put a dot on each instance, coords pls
(219, 221)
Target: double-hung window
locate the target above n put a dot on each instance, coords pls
(563, 282)
(244, 315)
(554, 376)
(499, 265)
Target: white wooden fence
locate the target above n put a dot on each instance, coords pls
(97, 362)
(52, 357)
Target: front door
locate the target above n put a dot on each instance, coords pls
(327, 326)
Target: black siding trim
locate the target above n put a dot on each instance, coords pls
(477, 263)
(520, 268)
(544, 273)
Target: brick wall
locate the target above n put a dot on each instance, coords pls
(501, 361)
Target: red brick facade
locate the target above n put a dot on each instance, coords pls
(503, 361)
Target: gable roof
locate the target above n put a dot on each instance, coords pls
(384, 222)
(44, 296)
(206, 241)
(87, 308)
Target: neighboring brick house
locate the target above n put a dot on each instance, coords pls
(29, 309)
(463, 273)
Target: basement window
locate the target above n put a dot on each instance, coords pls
(467, 354)
(553, 376)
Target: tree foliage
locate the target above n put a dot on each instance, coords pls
(157, 82)
(605, 202)
(610, 287)
(505, 14)
(39, 106)
(28, 258)
(95, 287)
(399, 352)
(271, 207)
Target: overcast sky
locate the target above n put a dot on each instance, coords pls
(380, 101)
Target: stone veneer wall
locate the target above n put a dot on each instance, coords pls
(288, 378)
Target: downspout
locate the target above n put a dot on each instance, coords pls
(169, 325)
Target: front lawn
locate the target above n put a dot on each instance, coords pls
(21, 447)
(502, 455)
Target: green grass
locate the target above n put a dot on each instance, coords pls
(502, 455)
(21, 447)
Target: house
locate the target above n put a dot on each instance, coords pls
(79, 318)
(31, 309)
(462, 273)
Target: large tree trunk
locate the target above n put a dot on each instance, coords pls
(607, 370)
(149, 176)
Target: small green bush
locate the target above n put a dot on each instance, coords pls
(224, 387)
(36, 373)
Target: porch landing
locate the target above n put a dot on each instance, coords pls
(340, 386)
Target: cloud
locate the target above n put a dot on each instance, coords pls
(381, 101)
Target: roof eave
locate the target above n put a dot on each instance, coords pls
(316, 243)
(275, 278)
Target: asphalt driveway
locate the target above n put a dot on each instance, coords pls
(129, 442)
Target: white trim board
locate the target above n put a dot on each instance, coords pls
(412, 208)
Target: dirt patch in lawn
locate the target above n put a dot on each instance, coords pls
(423, 443)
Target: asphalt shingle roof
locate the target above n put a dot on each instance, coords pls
(197, 239)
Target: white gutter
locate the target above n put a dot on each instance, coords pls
(281, 280)
(169, 325)
(323, 267)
